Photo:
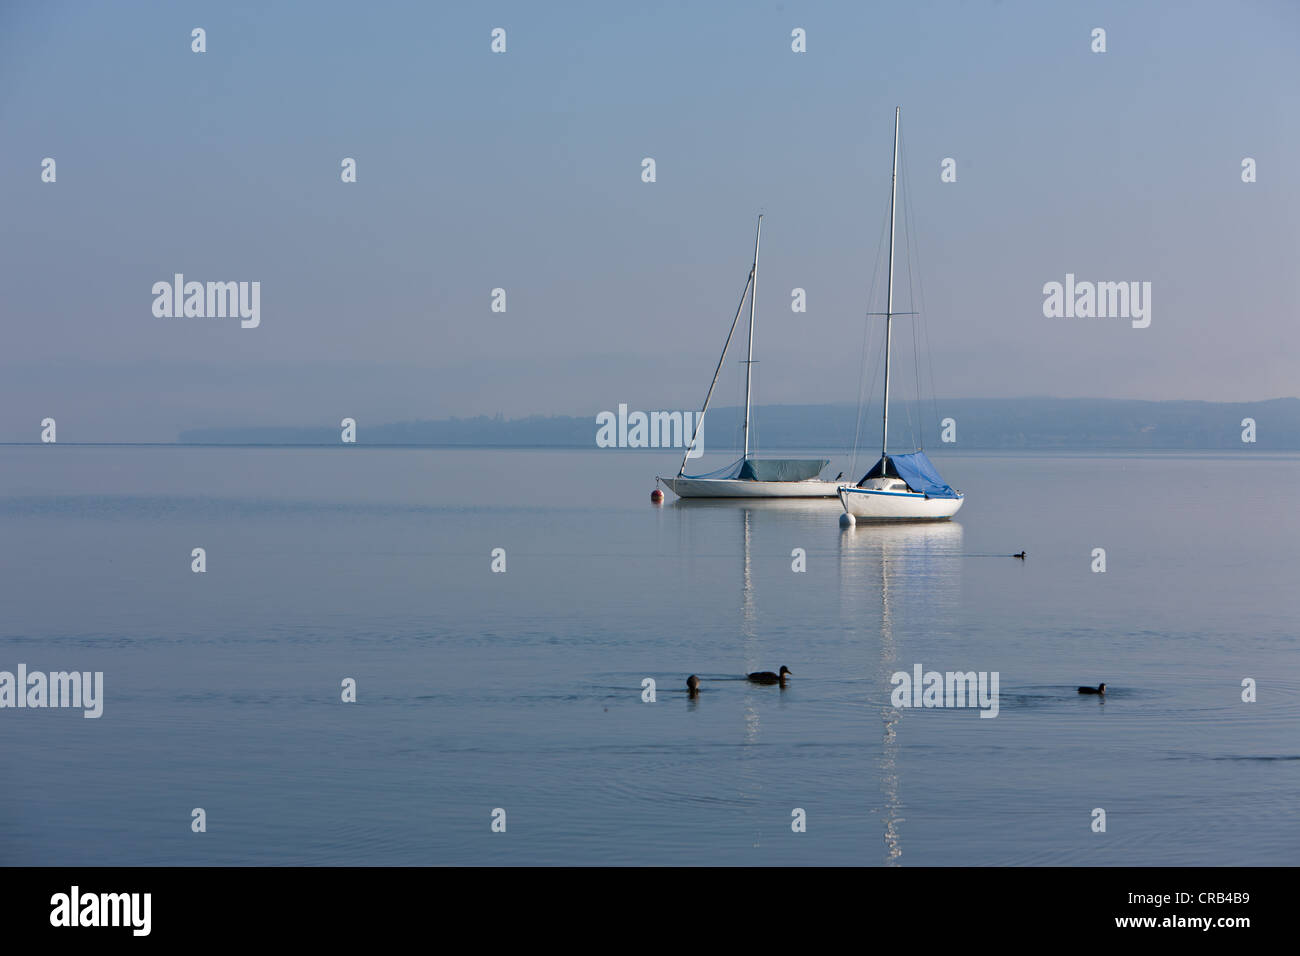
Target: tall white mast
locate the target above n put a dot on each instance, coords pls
(699, 420)
(749, 364)
(889, 305)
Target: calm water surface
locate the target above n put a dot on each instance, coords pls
(522, 690)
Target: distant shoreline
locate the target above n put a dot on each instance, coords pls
(1027, 424)
(715, 456)
(994, 425)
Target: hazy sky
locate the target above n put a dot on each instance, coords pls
(523, 171)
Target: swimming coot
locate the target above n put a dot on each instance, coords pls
(1099, 689)
(767, 677)
(693, 685)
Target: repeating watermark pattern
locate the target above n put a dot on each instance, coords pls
(212, 300)
(956, 689)
(24, 689)
(649, 430)
(75, 908)
(83, 690)
(1098, 300)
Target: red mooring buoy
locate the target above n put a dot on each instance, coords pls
(657, 496)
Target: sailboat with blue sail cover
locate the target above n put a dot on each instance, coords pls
(898, 487)
(749, 477)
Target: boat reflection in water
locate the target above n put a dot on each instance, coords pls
(704, 530)
(905, 575)
(916, 570)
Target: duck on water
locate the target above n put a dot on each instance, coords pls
(1100, 689)
(767, 677)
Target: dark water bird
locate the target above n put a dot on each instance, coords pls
(767, 677)
(1021, 555)
(693, 685)
(1099, 689)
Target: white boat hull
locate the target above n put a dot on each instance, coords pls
(872, 505)
(685, 487)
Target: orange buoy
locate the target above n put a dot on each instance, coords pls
(657, 496)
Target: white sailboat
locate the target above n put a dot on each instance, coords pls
(750, 477)
(899, 487)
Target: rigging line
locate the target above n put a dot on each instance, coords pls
(925, 334)
(914, 253)
(740, 419)
(721, 358)
(754, 432)
(755, 425)
(911, 302)
(738, 426)
(876, 364)
(868, 400)
(929, 352)
(910, 247)
(866, 336)
(875, 375)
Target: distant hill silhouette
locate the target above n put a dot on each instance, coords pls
(981, 423)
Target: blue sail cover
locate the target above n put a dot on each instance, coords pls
(782, 469)
(769, 469)
(921, 475)
(726, 471)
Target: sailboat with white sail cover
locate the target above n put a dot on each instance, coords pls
(898, 487)
(749, 477)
